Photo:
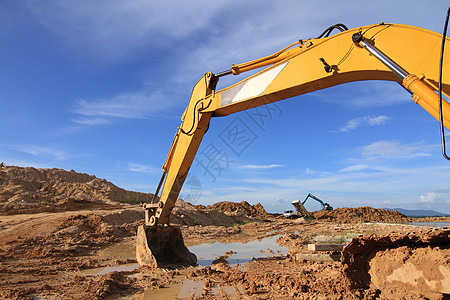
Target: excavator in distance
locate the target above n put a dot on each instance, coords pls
(405, 54)
(324, 205)
(303, 212)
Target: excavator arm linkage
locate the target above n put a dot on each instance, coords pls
(393, 52)
(324, 206)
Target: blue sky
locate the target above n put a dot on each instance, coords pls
(99, 87)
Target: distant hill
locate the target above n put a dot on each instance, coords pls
(419, 212)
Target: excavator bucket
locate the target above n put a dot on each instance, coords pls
(162, 246)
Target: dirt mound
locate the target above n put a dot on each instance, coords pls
(219, 214)
(364, 214)
(432, 219)
(65, 235)
(30, 190)
(108, 284)
(416, 263)
(239, 209)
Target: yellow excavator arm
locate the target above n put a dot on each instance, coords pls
(401, 53)
(406, 54)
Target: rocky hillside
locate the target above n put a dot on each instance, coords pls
(30, 190)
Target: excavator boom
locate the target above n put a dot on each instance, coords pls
(393, 52)
(325, 206)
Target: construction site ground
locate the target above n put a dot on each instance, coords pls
(67, 248)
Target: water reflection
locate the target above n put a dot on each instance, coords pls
(241, 253)
(431, 224)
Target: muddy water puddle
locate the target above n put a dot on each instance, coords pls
(185, 289)
(116, 258)
(182, 288)
(105, 270)
(238, 252)
(189, 289)
(125, 250)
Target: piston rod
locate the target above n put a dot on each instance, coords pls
(358, 39)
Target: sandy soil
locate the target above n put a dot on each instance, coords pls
(63, 250)
(390, 264)
(43, 254)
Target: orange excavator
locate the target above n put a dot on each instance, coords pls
(415, 58)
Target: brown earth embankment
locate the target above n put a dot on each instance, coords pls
(364, 214)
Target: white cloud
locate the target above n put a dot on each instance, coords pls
(430, 197)
(44, 152)
(142, 187)
(261, 167)
(393, 149)
(399, 186)
(369, 120)
(385, 180)
(135, 167)
(123, 106)
(372, 121)
(369, 94)
(91, 121)
(355, 168)
(115, 29)
(118, 31)
(309, 171)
